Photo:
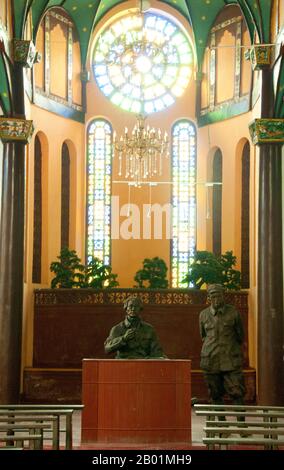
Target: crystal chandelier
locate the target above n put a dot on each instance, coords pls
(141, 152)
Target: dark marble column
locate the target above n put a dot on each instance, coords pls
(270, 280)
(12, 252)
(11, 271)
(270, 345)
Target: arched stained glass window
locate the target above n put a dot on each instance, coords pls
(99, 190)
(183, 200)
(142, 63)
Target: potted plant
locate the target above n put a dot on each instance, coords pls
(99, 275)
(153, 275)
(208, 268)
(70, 272)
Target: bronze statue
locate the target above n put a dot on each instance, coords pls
(133, 338)
(222, 335)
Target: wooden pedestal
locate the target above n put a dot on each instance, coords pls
(136, 401)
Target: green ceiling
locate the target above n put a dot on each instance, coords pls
(200, 14)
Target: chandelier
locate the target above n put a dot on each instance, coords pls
(141, 152)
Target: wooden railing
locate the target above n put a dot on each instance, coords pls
(148, 296)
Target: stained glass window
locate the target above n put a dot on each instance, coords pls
(183, 200)
(142, 63)
(99, 190)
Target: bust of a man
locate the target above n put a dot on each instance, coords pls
(133, 338)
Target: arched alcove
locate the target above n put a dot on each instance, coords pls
(65, 196)
(242, 208)
(245, 218)
(68, 194)
(40, 216)
(217, 203)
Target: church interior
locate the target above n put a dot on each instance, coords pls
(133, 130)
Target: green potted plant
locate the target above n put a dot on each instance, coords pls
(153, 275)
(208, 268)
(70, 272)
(99, 275)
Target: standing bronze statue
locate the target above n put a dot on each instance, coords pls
(222, 334)
(133, 338)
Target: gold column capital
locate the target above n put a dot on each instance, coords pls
(25, 53)
(259, 56)
(263, 131)
(16, 130)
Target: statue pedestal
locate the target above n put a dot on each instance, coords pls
(132, 402)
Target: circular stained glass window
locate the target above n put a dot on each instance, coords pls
(142, 63)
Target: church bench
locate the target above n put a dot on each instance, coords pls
(35, 440)
(263, 425)
(59, 410)
(13, 429)
(24, 426)
(254, 424)
(223, 442)
(209, 406)
(37, 406)
(44, 415)
(11, 448)
(238, 435)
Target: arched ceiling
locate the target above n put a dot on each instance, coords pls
(86, 14)
(200, 14)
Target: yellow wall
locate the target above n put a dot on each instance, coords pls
(127, 255)
(39, 68)
(230, 136)
(225, 65)
(245, 65)
(53, 131)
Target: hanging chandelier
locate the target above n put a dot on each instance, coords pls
(141, 152)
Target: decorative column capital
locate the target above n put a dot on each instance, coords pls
(199, 76)
(16, 130)
(25, 53)
(259, 56)
(85, 76)
(263, 131)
